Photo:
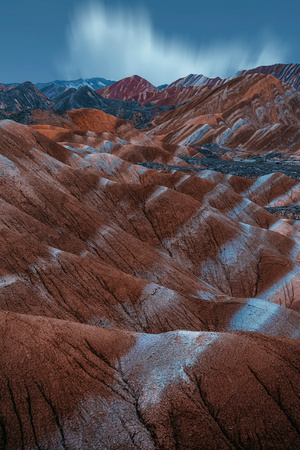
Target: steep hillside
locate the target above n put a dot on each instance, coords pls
(23, 97)
(253, 112)
(3, 87)
(145, 391)
(53, 90)
(287, 73)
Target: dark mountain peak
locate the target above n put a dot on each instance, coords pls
(162, 86)
(85, 89)
(28, 84)
(83, 97)
(23, 97)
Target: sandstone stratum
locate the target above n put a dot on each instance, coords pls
(150, 264)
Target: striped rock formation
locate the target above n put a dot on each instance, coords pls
(255, 113)
(144, 304)
(287, 73)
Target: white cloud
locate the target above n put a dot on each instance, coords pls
(117, 42)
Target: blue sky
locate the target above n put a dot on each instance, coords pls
(159, 40)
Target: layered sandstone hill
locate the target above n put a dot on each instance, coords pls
(287, 73)
(255, 112)
(144, 304)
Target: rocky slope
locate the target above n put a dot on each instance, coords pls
(147, 301)
(287, 73)
(197, 80)
(53, 90)
(252, 113)
(118, 389)
(23, 97)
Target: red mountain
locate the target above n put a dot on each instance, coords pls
(128, 89)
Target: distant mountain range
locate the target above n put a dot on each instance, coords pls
(18, 102)
(92, 83)
(131, 88)
(138, 89)
(87, 98)
(54, 88)
(184, 89)
(132, 98)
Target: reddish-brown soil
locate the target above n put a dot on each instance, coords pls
(149, 307)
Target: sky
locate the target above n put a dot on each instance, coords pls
(159, 40)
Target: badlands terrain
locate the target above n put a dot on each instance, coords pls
(150, 267)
